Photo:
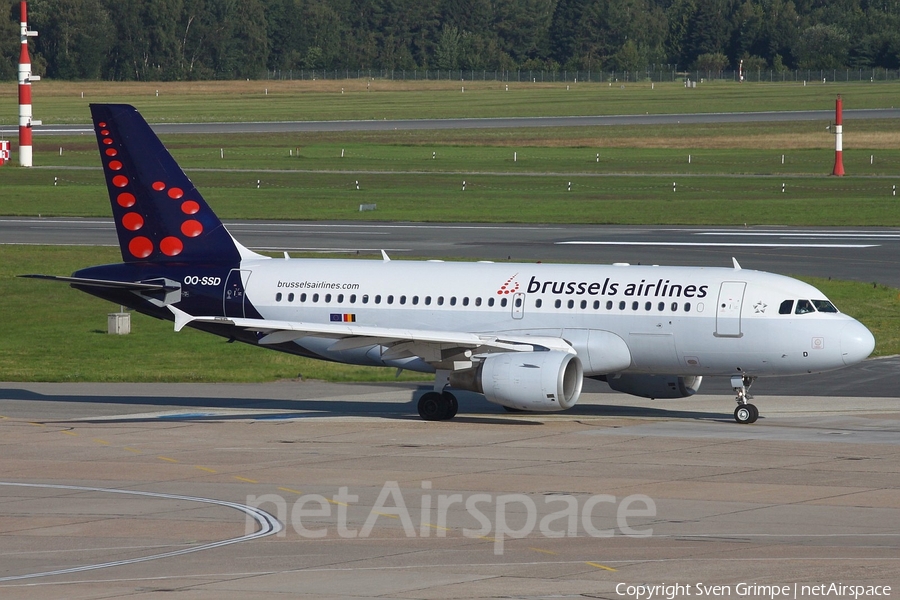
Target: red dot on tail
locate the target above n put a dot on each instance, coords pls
(191, 228)
(159, 186)
(111, 152)
(171, 246)
(189, 207)
(140, 247)
(132, 221)
(104, 132)
(175, 193)
(115, 165)
(101, 124)
(120, 181)
(107, 141)
(125, 200)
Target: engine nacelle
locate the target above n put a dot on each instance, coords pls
(539, 381)
(655, 386)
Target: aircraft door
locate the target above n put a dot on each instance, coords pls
(518, 305)
(728, 309)
(234, 294)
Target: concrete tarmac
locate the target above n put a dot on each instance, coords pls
(375, 503)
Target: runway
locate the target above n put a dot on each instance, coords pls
(376, 503)
(864, 254)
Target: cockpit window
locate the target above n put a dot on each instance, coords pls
(824, 306)
(786, 308)
(804, 307)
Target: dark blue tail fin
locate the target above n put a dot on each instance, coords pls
(160, 216)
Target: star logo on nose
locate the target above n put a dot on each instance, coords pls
(760, 307)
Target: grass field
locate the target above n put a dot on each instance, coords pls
(722, 174)
(62, 102)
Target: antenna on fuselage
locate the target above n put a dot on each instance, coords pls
(737, 267)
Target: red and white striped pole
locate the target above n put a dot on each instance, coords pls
(25, 79)
(838, 138)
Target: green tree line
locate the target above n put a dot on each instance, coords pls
(228, 39)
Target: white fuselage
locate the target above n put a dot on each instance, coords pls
(673, 320)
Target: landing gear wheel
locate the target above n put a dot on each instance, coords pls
(452, 405)
(755, 413)
(746, 413)
(433, 407)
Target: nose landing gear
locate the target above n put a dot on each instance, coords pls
(745, 412)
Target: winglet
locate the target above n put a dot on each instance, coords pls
(737, 267)
(181, 317)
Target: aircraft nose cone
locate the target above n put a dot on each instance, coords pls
(857, 343)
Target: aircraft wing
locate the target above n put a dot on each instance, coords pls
(430, 345)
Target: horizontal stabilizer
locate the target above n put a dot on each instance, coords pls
(104, 283)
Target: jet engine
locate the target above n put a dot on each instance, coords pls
(538, 381)
(655, 386)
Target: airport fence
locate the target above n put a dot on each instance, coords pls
(566, 76)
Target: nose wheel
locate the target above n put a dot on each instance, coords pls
(745, 412)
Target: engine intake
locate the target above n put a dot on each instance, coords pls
(538, 381)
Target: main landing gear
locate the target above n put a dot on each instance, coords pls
(745, 412)
(438, 406)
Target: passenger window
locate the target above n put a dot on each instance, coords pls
(622, 305)
(503, 302)
(315, 298)
(804, 307)
(596, 305)
(453, 301)
(538, 303)
(490, 301)
(558, 303)
(786, 308)
(571, 304)
(415, 300)
(327, 297)
(302, 297)
(662, 306)
(365, 299)
(519, 302)
(674, 307)
(340, 298)
(648, 305)
(687, 307)
(427, 300)
(440, 300)
(290, 297)
(609, 304)
(352, 298)
(824, 306)
(378, 299)
(278, 297)
(402, 299)
(478, 301)
(466, 301)
(583, 304)
(390, 299)
(635, 304)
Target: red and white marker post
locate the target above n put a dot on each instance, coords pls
(25, 79)
(838, 138)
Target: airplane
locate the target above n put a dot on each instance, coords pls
(523, 335)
